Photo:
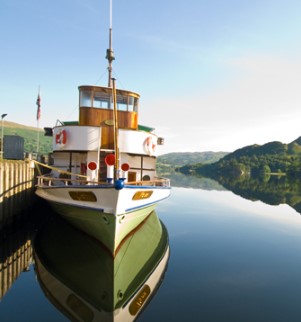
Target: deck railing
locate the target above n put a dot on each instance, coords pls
(65, 179)
(51, 181)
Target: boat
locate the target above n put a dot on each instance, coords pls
(86, 283)
(103, 176)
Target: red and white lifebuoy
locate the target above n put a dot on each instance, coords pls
(150, 145)
(61, 138)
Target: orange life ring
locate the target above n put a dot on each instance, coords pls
(150, 145)
(61, 138)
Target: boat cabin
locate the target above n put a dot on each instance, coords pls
(96, 107)
(76, 145)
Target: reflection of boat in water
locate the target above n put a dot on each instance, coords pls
(103, 179)
(83, 280)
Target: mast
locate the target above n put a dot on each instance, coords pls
(116, 147)
(110, 53)
(111, 83)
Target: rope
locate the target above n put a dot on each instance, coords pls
(58, 170)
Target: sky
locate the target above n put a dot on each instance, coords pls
(213, 75)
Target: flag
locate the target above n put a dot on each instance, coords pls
(39, 107)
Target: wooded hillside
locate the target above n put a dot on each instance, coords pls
(255, 160)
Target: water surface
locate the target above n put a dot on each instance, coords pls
(231, 259)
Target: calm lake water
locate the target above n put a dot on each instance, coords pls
(231, 259)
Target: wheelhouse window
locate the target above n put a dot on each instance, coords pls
(104, 100)
(127, 103)
(85, 99)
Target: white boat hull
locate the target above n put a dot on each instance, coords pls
(103, 212)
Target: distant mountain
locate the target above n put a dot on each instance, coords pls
(168, 162)
(182, 158)
(254, 160)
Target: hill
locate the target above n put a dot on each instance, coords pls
(30, 135)
(168, 162)
(182, 158)
(255, 160)
(270, 148)
(14, 125)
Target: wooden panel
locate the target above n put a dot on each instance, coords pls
(104, 117)
(107, 138)
(132, 176)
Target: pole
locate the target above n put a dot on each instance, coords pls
(116, 148)
(38, 137)
(98, 152)
(38, 119)
(110, 53)
(2, 136)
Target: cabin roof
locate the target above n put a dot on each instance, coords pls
(108, 90)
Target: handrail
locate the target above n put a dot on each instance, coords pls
(50, 181)
(158, 182)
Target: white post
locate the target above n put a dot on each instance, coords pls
(98, 152)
